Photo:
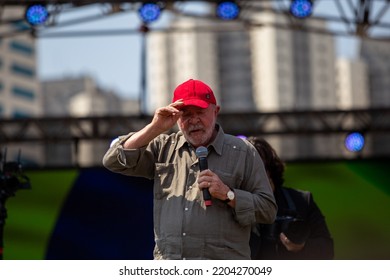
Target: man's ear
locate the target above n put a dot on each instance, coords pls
(217, 109)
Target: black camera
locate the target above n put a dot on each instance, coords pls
(12, 179)
(296, 229)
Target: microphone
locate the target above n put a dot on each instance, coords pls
(201, 152)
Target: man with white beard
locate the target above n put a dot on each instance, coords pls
(185, 226)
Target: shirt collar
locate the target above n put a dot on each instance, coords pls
(217, 144)
(181, 140)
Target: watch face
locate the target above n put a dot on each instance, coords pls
(230, 195)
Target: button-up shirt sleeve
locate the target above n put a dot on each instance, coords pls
(255, 202)
(132, 162)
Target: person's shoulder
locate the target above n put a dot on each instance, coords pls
(297, 192)
(238, 142)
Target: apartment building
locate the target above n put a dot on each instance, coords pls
(80, 97)
(175, 57)
(376, 54)
(20, 95)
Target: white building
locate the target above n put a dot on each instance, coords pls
(293, 70)
(235, 71)
(20, 95)
(81, 97)
(376, 55)
(173, 58)
(352, 84)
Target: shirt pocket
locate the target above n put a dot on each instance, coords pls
(232, 181)
(163, 179)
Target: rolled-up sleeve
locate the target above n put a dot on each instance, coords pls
(132, 162)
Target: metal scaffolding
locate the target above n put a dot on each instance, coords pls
(364, 18)
(57, 129)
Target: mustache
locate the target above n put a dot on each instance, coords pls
(195, 127)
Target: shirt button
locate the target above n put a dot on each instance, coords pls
(186, 209)
(184, 234)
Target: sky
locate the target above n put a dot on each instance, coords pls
(114, 61)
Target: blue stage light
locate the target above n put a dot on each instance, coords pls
(227, 10)
(149, 12)
(36, 14)
(301, 8)
(354, 142)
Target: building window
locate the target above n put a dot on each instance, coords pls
(23, 92)
(22, 48)
(23, 70)
(21, 25)
(19, 114)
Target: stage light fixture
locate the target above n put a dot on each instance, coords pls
(149, 12)
(301, 8)
(36, 14)
(354, 142)
(227, 10)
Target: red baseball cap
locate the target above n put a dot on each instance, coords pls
(194, 92)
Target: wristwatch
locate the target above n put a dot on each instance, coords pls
(230, 196)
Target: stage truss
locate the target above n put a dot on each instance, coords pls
(369, 19)
(57, 129)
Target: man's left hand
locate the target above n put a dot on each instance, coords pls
(210, 180)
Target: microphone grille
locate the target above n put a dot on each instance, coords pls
(201, 152)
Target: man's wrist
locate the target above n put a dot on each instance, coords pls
(230, 195)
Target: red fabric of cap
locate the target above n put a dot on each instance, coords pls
(194, 92)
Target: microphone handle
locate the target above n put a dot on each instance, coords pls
(207, 197)
(206, 193)
(203, 163)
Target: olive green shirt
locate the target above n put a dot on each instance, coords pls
(184, 227)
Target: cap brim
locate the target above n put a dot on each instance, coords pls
(196, 102)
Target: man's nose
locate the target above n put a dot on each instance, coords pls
(193, 119)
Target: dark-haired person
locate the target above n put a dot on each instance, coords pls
(300, 230)
(241, 195)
